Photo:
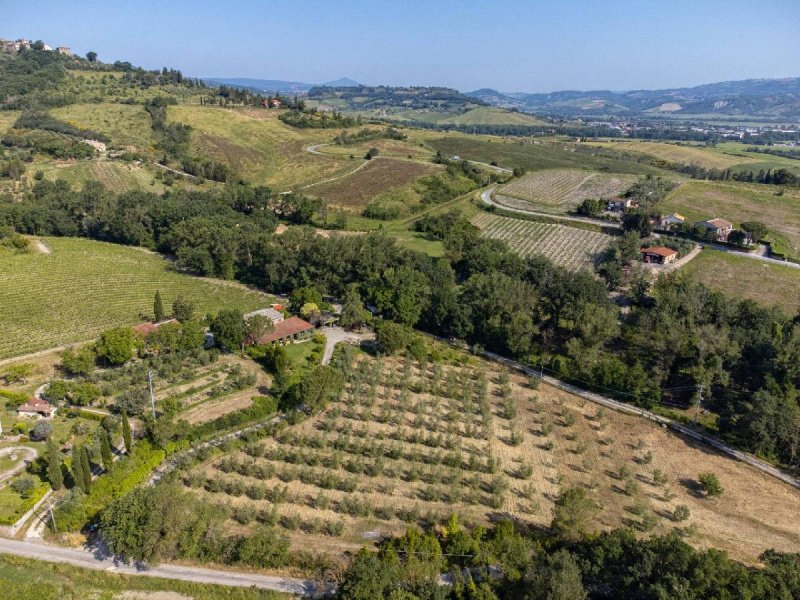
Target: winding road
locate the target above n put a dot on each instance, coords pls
(31, 453)
(99, 560)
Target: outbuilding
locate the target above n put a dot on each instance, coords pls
(659, 255)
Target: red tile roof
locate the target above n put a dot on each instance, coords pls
(659, 250)
(284, 329)
(146, 329)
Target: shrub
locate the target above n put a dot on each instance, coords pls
(681, 513)
(710, 484)
(42, 431)
(23, 486)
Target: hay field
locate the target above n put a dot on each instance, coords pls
(83, 287)
(710, 158)
(409, 441)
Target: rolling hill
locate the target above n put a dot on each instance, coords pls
(779, 98)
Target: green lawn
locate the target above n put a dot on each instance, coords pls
(28, 579)
(482, 115)
(84, 287)
(12, 506)
(747, 278)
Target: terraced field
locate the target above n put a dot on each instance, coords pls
(83, 287)
(567, 246)
(562, 190)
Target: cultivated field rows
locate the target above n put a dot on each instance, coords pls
(567, 246)
(408, 442)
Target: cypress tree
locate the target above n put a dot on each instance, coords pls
(54, 465)
(105, 449)
(86, 469)
(158, 307)
(77, 468)
(127, 438)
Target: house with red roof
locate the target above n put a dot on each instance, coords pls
(36, 409)
(659, 255)
(288, 329)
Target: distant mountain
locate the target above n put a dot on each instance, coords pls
(276, 85)
(778, 98)
(341, 83)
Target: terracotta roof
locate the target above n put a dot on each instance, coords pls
(722, 223)
(284, 329)
(659, 250)
(146, 329)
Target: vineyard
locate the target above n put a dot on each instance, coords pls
(83, 287)
(561, 190)
(412, 441)
(567, 246)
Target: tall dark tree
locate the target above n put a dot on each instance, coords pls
(127, 437)
(158, 307)
(54, 465)
(91, 56)
(105, 449)
(182, 309)
(77, 468)
(354, 315)
(86, 469)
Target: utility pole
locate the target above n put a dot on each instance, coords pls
(52, 516)
(152, 396)
(699, 402)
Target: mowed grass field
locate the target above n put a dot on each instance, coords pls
(378, 176)
(562, 190)
(259, 146)
(83, 287)
(747, 278)
(125, 124)
(739, 202)
(710, 158)
(566, 246)
(409, 441)
(532, 155)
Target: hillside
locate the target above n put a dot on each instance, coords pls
(778, 98)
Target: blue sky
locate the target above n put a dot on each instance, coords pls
(509, 45)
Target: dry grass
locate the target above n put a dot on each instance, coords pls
(565, 441)
(380, 175)
(709, 158)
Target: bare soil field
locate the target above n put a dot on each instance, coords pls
(410, 441)
(562, 190)
(380, 175)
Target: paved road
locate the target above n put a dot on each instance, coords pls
(100, 561)
(764, 259)
(334, 335)
(31, 453)
(486, 197)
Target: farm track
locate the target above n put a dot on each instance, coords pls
(487, 197)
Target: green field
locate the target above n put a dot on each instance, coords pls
(532, 155)
(125, 124)
(84, 287)
(115, 175)
(482, 115)
(28, 579)
(748, 278)
(7, 119)
(739, 202)
(259, 146)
